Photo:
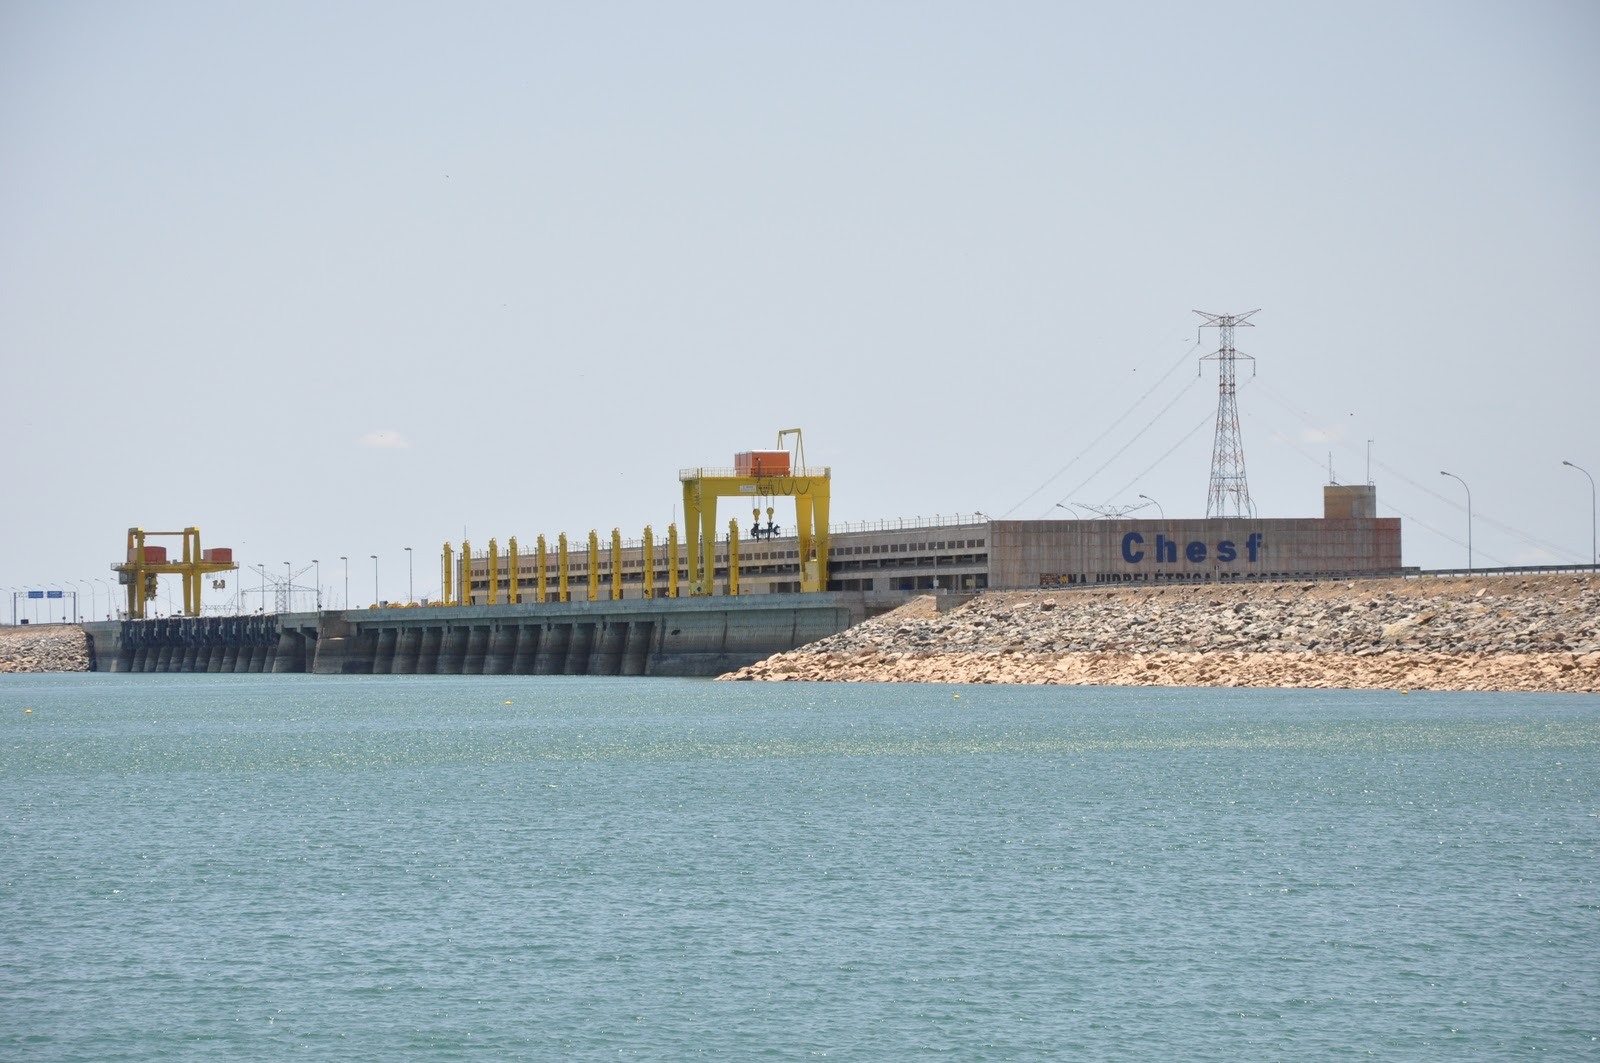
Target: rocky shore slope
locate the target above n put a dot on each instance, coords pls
(1536, 633)
(44, 648)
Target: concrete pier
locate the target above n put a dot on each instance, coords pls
(667, 637)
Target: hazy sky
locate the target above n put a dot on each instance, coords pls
(341, 278)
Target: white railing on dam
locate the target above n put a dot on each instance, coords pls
(938, 520)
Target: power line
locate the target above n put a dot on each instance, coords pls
(1165, 455)
(1182, 360)
(1525, 537)
(1521, 535)
(1123, 449)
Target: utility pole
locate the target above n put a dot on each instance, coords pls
(1229, 494)
(1464, 486)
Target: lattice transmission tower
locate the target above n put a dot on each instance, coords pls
(1229, 495)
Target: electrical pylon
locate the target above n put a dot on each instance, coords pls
(1228, 487)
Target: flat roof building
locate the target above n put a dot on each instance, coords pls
(965, 554)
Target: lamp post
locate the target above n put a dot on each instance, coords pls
(1463, 483)
(318, 565)
(288, 589)
(1159, 510)
(111, 598)
(374, 579)
(1075, 514)
(1594, 552)
(346, 561)
(409, 570)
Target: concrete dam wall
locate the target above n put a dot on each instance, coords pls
(666, 637)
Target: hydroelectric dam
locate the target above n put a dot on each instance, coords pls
(645, 637)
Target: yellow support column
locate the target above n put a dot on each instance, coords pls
(648, 559)
(133, 574)
(616, 565)
(191, 585)
(494, 572)
(708, 548)
(594, 565)
(541, 586)
(449, 573)
(196, 568)
(733, 556)
(511, 545)
(691, 524)
(819, 509)
(464, 587)
(562, 592)
(672, 560)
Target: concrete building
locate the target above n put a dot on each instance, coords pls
(966, 554)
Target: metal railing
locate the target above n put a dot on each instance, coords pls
(800, 472)
(1508, 570)
(938, 520)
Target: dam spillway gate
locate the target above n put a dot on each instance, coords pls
(667, 637)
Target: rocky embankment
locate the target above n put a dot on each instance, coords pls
(44, 648)
(1483, 633)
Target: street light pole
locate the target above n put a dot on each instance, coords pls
(374, 579)
(409, 585)
(1593, 550)
(1463, 483)
(1159, 510)
(288, 588)
(346, 561)
(318, 565)
(1075, 514)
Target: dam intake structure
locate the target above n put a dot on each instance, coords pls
(664, 637)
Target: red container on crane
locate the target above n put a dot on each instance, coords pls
(761, 463)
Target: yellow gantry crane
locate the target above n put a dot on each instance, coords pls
(761, 477)
(145, 563)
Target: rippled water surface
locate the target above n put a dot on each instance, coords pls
(266, 867)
